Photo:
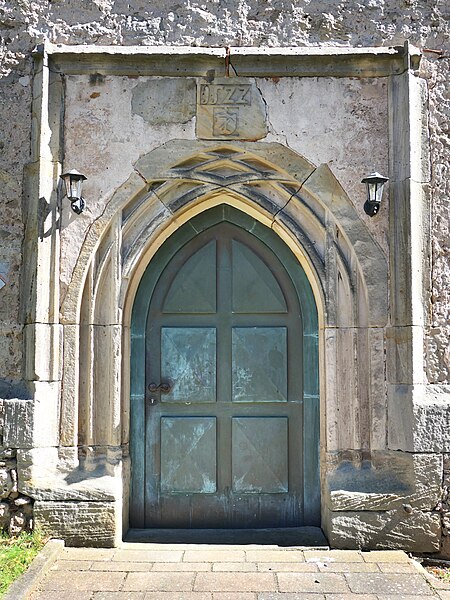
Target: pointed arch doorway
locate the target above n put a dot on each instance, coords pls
(224, 381)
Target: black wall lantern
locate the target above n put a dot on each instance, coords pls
(375, 184)
(73, 180)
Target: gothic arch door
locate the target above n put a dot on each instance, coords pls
(223, 437)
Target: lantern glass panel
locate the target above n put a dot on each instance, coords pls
(75, 187)
(374, 191)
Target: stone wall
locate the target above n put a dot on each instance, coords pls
(16, 509)
(235, 23)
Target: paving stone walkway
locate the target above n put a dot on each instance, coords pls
(234, 572)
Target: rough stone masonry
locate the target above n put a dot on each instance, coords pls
(369, 23)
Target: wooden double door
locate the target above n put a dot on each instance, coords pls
(223, 433)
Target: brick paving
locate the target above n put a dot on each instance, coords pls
(138, 571)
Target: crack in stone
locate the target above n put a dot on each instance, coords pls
(291, 196)
(272, 129)
(140, 174)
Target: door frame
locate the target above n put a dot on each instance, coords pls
(147, 284)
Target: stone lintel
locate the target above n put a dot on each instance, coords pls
(184, 61)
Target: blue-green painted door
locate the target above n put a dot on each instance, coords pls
(219, 412)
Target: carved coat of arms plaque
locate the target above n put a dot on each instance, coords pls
(230, 108)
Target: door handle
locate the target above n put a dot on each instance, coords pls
(164, 388)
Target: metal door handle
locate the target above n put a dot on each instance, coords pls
(164, 388)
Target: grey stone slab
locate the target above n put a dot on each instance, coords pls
(112, 566)
(159, 582)
(214, 556)
(87, 554)
(326, 556)
(386, 556)
(68, 595)
(234, 596)
(234, 567)
(288, 567)
(179, 100)
(288, 596)
(284, 555)
(78, 523)
(179, 567)
(76, 565)
(178, 596)
(88, 581)
(398, 597)
(350, 597)
(337, 567)
(118, 596)
(395, 529)
(388, 583)
(320, 583)
(396, 567)
(235, 582)
(163, 556)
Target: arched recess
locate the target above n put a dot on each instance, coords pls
(300, 403)
(304, 205)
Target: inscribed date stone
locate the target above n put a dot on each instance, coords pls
(230, 108)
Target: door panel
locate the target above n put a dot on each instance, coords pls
(224, 441)
(188, 364)
(260, 455)
(194, 287)
(188, 455)
(259, 358)
(255, 288)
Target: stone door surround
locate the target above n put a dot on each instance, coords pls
(368, 304)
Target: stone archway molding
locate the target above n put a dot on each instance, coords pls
(307, 207)
(277, 180)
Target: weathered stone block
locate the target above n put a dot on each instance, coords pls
(384, 481)
(79, 523)
(394, 529)
(179, 100)
(404, 355)
(34, 422)
(19, 422)
(43, 344)
(419, 418)
(52, 474)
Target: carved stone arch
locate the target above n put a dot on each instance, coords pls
(305, 205)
